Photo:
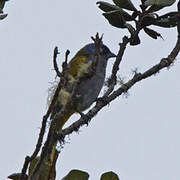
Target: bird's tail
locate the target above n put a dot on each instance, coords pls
(54, 152)
(64, 119)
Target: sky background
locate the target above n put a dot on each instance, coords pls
(136, 136)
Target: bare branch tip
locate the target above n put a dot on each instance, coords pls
(56, 50)
(101, 36)
(92, 38)
(97, 35)
(66, 55)
(67, 52)
(97, 39)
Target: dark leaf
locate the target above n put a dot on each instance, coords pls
(115, 18)
(147, 20)
(126, 16)
(126, 4)
(161, 3)
(166, 22)
(76, 175)
(104, 6)
(109, 176)
(153, 34)
(169, 15)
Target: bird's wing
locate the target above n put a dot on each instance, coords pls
(79, 66)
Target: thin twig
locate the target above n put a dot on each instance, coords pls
(113, 79)
(55, 62)
(65, 63)
(66, 56)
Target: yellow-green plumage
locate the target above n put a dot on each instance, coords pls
(88, 89)
(77, 68)
(77, 62)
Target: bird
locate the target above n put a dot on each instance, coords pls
(92, 77)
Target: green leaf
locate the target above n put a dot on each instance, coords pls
(157, 5)
(166, 22)
(126, 4)
(104, 6)
(109, 176)
(147, 20)
(162, 3)
(16, 176)
(32, 165)
(76, 175)
(153, 34)
(169, 15)
(115, 18)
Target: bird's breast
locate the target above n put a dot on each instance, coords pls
(88, 90)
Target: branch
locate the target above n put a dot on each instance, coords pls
(165, 62)
(55, 62)
(113, 79)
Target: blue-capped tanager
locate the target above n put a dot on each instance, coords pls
(89, 87)
(87, 91)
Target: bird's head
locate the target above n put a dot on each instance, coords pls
(89, 49)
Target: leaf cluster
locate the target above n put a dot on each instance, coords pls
(123, 12)
(81, 175)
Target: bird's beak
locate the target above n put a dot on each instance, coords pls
(111, 55)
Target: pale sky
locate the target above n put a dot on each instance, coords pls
(136, 137)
